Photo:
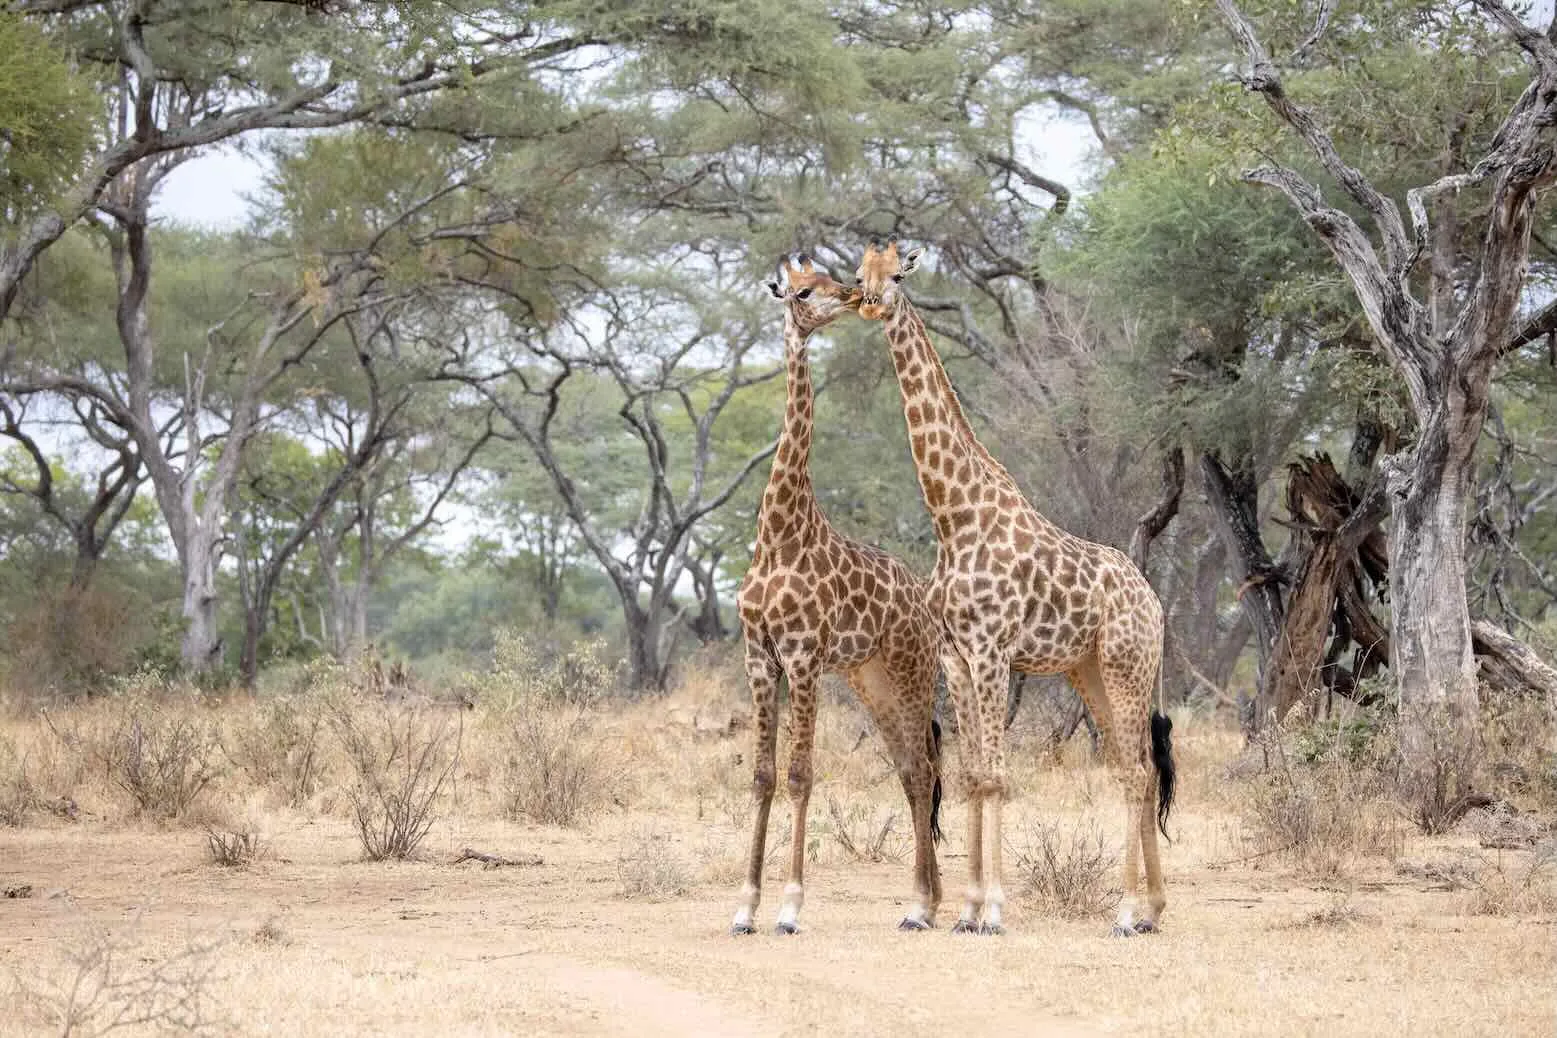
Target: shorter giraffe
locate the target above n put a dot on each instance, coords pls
(815, 601)
(1011, 590)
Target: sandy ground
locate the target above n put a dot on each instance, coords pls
(315, 941)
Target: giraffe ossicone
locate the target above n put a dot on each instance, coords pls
(1011, 590)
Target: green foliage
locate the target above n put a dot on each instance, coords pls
(1349, 739)
(50, 114)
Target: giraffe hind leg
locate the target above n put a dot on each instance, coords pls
(902, 703)
(959, 682)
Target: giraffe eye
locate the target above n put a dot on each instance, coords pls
(896, 278)
(804, 293)
(859, 281)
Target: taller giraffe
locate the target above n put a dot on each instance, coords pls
(1012, 590)
(815, 601)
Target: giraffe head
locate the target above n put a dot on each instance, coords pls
(813, 298)
(880, 273)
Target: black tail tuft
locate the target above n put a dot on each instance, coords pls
(1162, 757)
(935, 795)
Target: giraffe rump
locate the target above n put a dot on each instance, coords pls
(1162, 759)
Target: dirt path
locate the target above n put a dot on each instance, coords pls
(315, 942)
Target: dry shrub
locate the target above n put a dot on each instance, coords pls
(280, 746)
(867, 833)
(1510, 886)
(17, 794)
(154, 751)
(731, 803)
(234, 849)
(65, 641)
(1520, 737)
(1500, 827)
(1068, 872)
(402, 758)
(554, 770)
(1323, 816)
(1438, 777)
(108, 984)
(648, 867)
(1340, 914)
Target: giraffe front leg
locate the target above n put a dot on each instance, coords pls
(959, 682)
(921, 782)
(991, 682)
(802, 719)
(763, 673)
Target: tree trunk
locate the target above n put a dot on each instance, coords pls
(1431, 654)
(1234, 498)
(1330, 523)
(360, 593)
(646, 671)
(201, 650)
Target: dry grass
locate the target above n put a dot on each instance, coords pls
(1326, 817)
(1069, 872)
(648, 867)
(554, 769)
(1514, 885)
(280, 745)
(18, 798)
(866, 832)
(625, 919)
(1340, 914)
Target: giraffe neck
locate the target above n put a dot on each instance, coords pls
(789, 503)
(946, 451)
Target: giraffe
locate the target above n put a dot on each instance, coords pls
(1012, 590)
(815, 601)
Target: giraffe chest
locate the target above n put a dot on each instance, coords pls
(830, 606)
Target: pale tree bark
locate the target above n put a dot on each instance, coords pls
(1447, 375)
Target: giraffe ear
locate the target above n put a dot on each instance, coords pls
(910, 262)
(773, 286)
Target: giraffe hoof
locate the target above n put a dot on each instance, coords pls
(965, 926)
(785, 929)
(910, 923)
(742, 929)
(992, 930)
(1145, 926)
(1121, 931)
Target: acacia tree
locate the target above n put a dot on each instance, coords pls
(665, 357)
(90, 523)
(1444, 347)
(305, 65)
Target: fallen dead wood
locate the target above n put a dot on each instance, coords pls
(497, 861)
(1509, 664)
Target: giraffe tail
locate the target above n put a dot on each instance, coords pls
(1162, 759)
(935, 794)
